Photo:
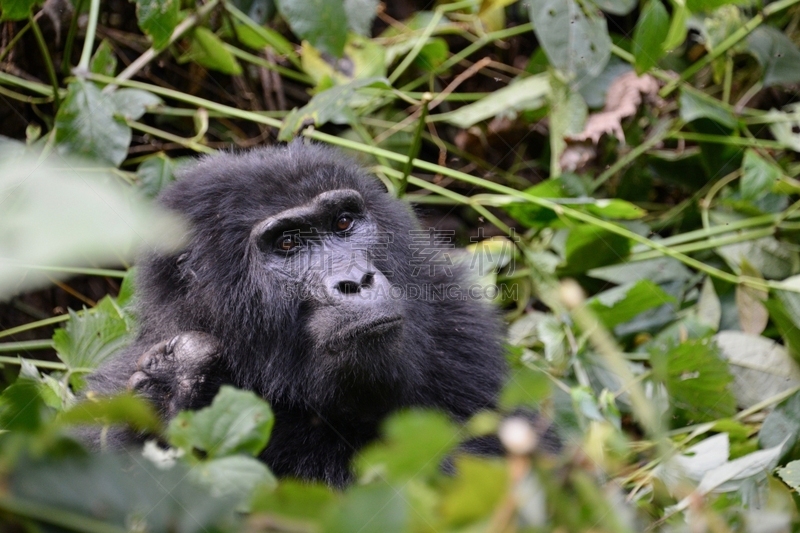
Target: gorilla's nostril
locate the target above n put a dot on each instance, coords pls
(366, 281)
(348, 287)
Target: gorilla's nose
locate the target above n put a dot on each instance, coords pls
(347, 286)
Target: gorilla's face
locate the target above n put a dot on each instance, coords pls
(323, 255)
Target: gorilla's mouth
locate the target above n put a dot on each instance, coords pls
(378, 326)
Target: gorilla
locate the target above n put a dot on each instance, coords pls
(304, 281)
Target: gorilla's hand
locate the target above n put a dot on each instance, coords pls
(173, 374)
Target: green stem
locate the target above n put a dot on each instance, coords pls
(721, 139)
(101, 272)
(73, 31)
(91, 31)
(33, 325)
(48, 61)
(706, 245)
(416, 144)
(261, 62)
(161, 134)
(25, 346)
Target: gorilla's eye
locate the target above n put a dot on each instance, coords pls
(344, 223)
(286, 243)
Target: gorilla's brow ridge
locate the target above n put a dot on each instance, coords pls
(323, 202)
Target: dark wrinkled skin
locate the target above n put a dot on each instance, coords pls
(329, 350)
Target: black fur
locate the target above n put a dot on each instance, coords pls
(331, 363)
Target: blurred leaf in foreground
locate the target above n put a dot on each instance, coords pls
(63, 212)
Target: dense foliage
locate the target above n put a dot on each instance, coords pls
(625, 172)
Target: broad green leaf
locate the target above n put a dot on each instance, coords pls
(155, 173)
(235, 476)
(16, 9)
(698, 6)
(415, 442)
(576, 41)
(22, 407)
(114, 492)
(476, 490)
(658, 270)
(326, 106)
(695, 104)
(86, 125)
(698, 381)
(122, 409)
(375, 508)
(237, 421)
(767, 255)
(61, 212)
(362, 59)
(616, 7)
(104, 61)
(782, 424)
(257, 36)
(525, 387)
(323, 23)
(568, 114)
(208, 50)
(133, 103)
(295, 499)
(761, 367)
(778, 55)
(589, 247)
(158, 18)
(259, 11)
(649, 36)
(790, 474)
(758, 176)
(623, 303)
(360, 14)
(92, 337)
(528, 93)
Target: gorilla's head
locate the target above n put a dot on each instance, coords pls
(300, 264)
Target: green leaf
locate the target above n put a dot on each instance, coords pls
(525, 387)
(360, 14)
(616, 7)
(326, 106)
(415, 444)
(16, 9)
(657, 270)
(790, 474)
(697, 380)
(576, 41)
(323, 23)
(208, 50)
(155, 173)
(104, 61)
(235, 476)
(157, 19)
(236, 422)
(376, 508)
(649, 36)
(778, 55)
(695, 104)
(133, 103)
(92, 337)
(122, 409)
(698, 6)
(98, 220)
(295, 499)
(475, 492)
(86, 125)
(623, 303)
(21, 407)
(528, 93)
(758, 176)
(589, 247)
(782, 424)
